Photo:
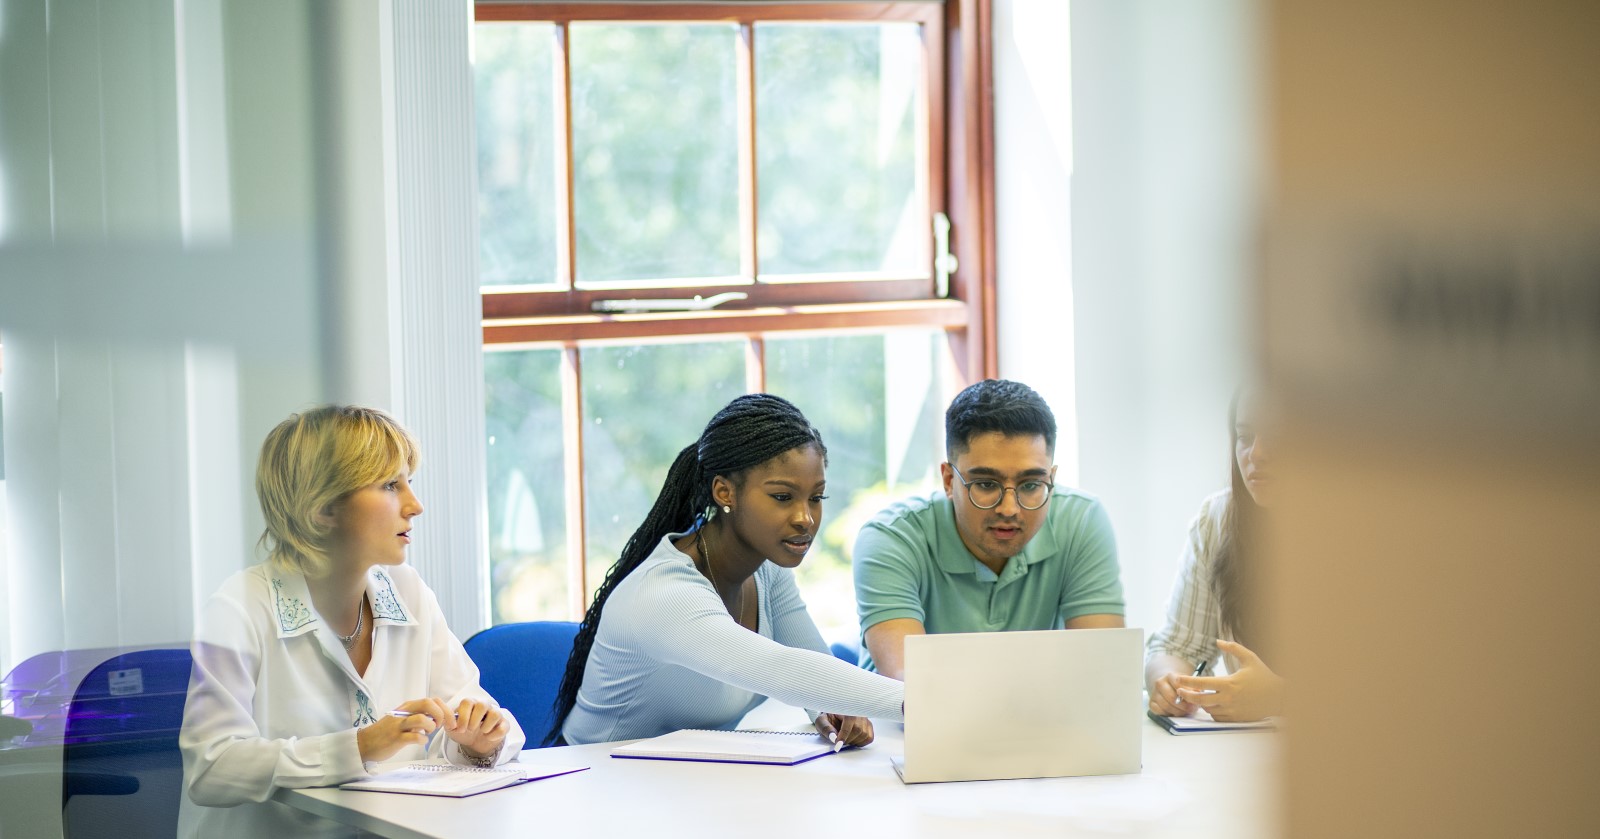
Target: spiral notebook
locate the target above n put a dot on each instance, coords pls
(1201, 722)
(781, 748)
(447, 779)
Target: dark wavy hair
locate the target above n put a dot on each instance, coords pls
(1235, 575)
(1011, 408)
(746, 433)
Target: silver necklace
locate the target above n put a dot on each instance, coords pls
(349, 641)
(738, 611)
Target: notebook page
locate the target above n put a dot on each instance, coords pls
(739, 746)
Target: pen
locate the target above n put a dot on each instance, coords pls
(428, 746)
(1199, 668)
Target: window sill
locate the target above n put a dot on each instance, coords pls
(949, 315)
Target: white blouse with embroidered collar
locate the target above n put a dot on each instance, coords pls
(275, 700)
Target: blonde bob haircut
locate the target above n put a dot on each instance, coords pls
(310, 463)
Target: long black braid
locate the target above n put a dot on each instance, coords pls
(748, 432)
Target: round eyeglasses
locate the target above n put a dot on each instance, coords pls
(986, 494)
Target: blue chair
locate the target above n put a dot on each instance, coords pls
(122, 773)
(847, 651)
(520, 665)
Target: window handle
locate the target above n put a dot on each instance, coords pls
(668, 304)
(944, 262)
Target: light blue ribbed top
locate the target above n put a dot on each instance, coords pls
(668, 656)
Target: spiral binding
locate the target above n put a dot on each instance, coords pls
(755, 731)
(451, 767)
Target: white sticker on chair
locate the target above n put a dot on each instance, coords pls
(125, 682)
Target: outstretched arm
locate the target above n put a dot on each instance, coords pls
(677, 619)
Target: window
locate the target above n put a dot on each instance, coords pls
(680, 203)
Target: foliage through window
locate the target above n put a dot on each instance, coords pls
(795, 153)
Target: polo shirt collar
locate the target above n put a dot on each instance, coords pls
(953, 557)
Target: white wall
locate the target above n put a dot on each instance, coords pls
(1125, 158)
(1033, 224)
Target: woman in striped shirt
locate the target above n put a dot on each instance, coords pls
(699, 620)
(1215, 605)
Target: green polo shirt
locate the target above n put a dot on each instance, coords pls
(911, 563)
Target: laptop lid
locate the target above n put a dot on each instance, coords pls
(992, 705)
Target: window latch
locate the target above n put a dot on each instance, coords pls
(944, 262)
(668, 304)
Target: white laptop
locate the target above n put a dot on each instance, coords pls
(985, 706)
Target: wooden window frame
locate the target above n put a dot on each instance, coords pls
(959, 182)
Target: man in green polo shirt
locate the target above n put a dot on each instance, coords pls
(1000, 548)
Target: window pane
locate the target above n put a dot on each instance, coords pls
(655, 151)
(878, 401)
(527, 501)
(642, 404)
(838, 149)
(517, 134)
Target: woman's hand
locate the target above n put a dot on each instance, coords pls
(852, 731)
(478, 727)
(390, 733)
(1251, 693)
(1164, 698)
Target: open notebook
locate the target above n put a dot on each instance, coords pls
(783, 748)
(437, 778)
(1201, 723)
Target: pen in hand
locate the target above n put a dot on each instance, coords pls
(427, 746)
(1198, 670)
(399, 713)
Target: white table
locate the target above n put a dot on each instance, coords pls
(1218, 785)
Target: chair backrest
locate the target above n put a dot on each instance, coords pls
(121, 739)
(847, 651)
(520, 665)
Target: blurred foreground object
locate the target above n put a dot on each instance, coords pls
(1431, 310)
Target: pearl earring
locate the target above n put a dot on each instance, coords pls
(726, 509)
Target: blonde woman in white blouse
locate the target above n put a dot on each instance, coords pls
(1214, 607)
(301, 662)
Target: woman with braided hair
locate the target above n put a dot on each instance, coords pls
(700, 620)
